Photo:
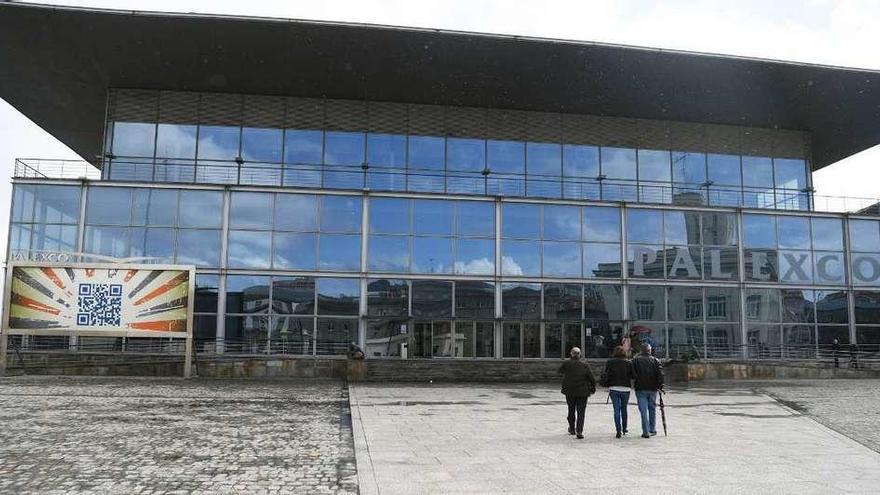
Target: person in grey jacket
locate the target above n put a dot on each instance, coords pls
(578, 383)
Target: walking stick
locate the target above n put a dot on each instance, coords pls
(663, 413)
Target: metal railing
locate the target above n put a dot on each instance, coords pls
(61, 351)
(38, 168)
(481, 183)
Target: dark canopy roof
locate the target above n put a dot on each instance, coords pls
(57, 63)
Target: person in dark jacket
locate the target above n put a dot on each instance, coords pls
(648, 373)
(618, 377)
(578, 383)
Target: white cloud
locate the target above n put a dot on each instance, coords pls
(481, 266)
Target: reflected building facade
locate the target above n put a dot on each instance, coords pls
(428, 231)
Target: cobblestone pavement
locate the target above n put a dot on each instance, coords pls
(851, 407)
(131, 435)
(512, 439)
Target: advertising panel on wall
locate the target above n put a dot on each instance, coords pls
(94, 299)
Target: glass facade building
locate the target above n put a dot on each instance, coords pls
(477, 241)
(470, 229)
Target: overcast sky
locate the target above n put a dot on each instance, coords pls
(818, 31)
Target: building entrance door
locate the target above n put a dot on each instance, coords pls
(601, 337)
(560, 337)
(432, 338)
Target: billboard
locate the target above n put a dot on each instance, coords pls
(99, 299)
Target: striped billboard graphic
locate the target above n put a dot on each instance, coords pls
(143, 299)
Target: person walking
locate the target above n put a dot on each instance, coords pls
(578, 383)
(618, 377)
(648, 380)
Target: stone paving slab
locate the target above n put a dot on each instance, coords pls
(851, 407)
(130, 435)
(475, 438)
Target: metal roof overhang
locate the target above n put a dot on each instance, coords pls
(56, 64)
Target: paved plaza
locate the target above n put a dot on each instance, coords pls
(131, 435)
(125, 435)
(723, 438)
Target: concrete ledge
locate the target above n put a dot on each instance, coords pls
(687, 372)
(406, 371)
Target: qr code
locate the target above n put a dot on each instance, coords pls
(100, 305)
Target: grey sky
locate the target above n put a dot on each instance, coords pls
(817, 31)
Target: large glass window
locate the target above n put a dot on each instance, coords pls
(474, 299)
(827, 233)
(261, 145)
(432, 217)
(344, 148)
(218, 142)
(295, 251)
(465, 154)
(506, 157)
(431, 299)
(432, 255)
(293, 295)
(389, 254)
(249, 249)
(338, 296)
(201, 209)
(386, 150)
(562, 223)
(198, 247)
(133, 139)
(793, 232)
(475, 218)
(580, 161)
(647, 303)
(563, 301)
(521, 301)
(601, 224)
(340, 214)
(250, 210)
(303, 146)
(387, 297)
(864, 235)
(521, 258)
(724, 170)
(247, 294)
(644, 226)
(297, 212)
(790, 173)
(757, 172)
(759, 231)
(544, 159)
(601, 260)
(108, 206)
(654, 166)
(475, 256)
(390, 216)
(154, 207)
(561, 259)
(176, 141)
(619, 163)
(522, 221)
(688, 167)
(155, 243)
(427, 153)
(339, 252)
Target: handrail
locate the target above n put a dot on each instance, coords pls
(486, 182)
(39, 168)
